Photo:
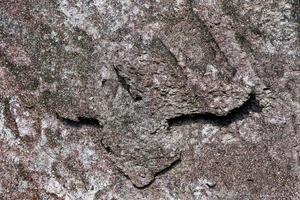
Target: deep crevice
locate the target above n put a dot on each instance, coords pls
(82, 121)
(239, 113)
(250, 180)
(211, 185)
(107, 148)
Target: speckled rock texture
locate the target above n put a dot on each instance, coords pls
(157, 99)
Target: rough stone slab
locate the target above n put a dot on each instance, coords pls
(173, 99)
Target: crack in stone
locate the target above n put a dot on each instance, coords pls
(161, 172)
(82, 121)
(239, 113)
(211, 185)
(166, 169)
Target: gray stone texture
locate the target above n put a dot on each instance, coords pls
(160, 99)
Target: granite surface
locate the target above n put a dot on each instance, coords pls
(157, 99)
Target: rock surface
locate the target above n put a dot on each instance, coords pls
(174, 99)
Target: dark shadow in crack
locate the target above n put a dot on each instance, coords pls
(82, 121)
(211, 185)
(239, 113)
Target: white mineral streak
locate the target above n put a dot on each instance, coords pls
(22, 118)
(208, 132)
(1, 118)
(53, 186)
(5, 133)
(78, 16)
(229, 139)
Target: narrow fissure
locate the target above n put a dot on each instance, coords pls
(211, 185)
(82, 121)
(107, 148)
(239, 113)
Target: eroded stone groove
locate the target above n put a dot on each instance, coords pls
(239, 113)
